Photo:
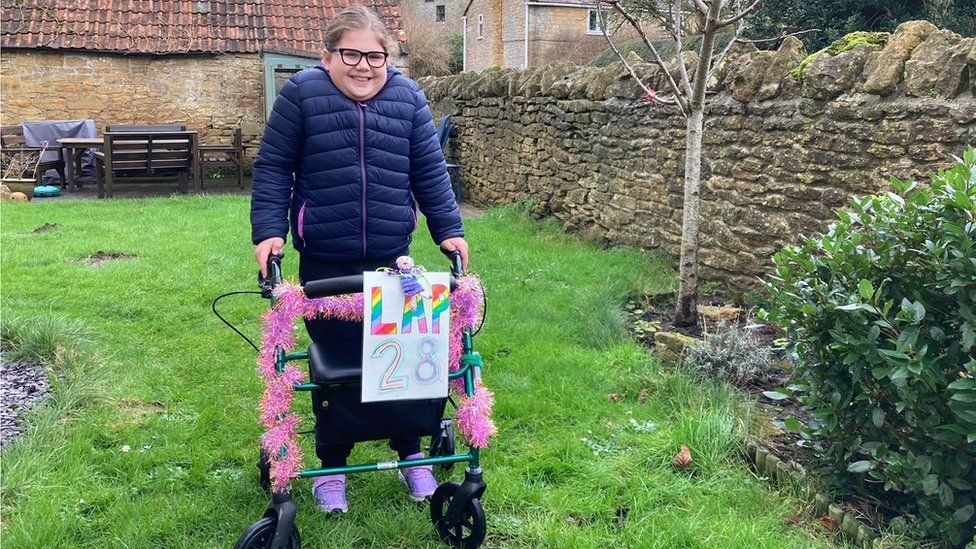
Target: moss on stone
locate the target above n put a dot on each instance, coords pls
(845, 43)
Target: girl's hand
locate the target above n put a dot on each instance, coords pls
(457, 244)
(265, 249)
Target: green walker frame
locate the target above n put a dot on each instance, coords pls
(455, 509)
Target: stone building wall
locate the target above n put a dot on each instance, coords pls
(778, 156)
(487, 51)
(212, 94)
(558, 33)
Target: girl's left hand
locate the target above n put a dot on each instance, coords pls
(457, 244)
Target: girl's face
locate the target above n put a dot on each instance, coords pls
(365, 77)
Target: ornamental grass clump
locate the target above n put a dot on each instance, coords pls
(881, 320)
(734, 354)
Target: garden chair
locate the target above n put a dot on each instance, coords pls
(12, 143)
(444, 130)
(233, 156)
(146, 157)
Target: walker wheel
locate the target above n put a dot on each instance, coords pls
(264, 469)
(467, 534)
(260, 534)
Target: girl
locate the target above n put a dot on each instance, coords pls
(350, 146)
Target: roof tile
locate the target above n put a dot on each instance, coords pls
(176, 26)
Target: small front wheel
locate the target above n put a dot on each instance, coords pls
(260, 534)
(469, 533)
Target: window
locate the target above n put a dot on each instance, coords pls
(481, 24)
(439, 13)
(593, 22)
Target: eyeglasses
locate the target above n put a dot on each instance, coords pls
(375, 59)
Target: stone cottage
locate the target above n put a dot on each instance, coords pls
(518, 34)
(213, 65)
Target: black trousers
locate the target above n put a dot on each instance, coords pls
(348, 335)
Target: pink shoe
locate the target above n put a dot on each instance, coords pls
(420, 480)
(330, 493)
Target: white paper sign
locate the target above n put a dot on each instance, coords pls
(405, 341)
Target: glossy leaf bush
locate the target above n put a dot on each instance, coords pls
(880, 314)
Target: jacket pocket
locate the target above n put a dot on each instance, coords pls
(301, 221)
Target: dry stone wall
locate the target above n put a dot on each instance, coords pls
(779, 155)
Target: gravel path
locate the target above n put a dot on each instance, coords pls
(21, 384)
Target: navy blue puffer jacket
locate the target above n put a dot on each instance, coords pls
(349, 173)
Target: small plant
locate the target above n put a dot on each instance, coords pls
(880, 314)
(18, 163)
(734, 354)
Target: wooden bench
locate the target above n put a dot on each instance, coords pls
(118, 128)
(12, 142)
(147, 157)
(233, 156)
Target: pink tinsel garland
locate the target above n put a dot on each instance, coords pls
(473, 414)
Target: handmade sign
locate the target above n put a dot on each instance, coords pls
(406, 336)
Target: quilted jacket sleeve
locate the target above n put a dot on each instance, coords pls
(277, 161)
(429, 180)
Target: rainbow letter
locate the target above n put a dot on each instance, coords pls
(378, 327)
(440, 304)
(413, 307)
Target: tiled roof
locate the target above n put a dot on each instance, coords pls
(178, 26)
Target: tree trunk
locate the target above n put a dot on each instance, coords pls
(686, 312)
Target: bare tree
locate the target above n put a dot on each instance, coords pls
(686, 91)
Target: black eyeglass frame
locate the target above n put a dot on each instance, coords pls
(362, 54)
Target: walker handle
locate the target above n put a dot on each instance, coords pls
(268, 283)
(454, 257)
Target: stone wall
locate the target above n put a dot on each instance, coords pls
(778, 155)
(211, 94)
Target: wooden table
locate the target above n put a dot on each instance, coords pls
(72, 160)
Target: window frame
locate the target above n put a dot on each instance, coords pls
(592, 13)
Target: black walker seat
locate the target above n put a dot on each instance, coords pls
(330, 366)
(343, 418)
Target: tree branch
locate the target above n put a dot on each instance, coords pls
(721, 56)
(745, 12)
(679, 48)
(702, 8)
(780, 37)
(652, 94)
(679, 98)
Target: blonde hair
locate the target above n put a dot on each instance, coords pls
(357, 18)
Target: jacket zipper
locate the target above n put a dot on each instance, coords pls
(301, 221)
(362, 166)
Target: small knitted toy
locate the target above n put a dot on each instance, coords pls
(408, 276)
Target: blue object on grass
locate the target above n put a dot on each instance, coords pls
(47, 190)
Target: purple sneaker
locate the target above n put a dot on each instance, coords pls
(330, 493)
(419, 480)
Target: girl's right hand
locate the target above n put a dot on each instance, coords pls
(265, 249)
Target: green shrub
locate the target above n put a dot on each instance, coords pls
(881, 320)
(455, 63)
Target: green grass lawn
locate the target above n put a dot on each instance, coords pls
(570, 468)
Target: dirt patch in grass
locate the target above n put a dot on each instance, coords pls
(133, 411)
(45, 228)
(100, 257)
